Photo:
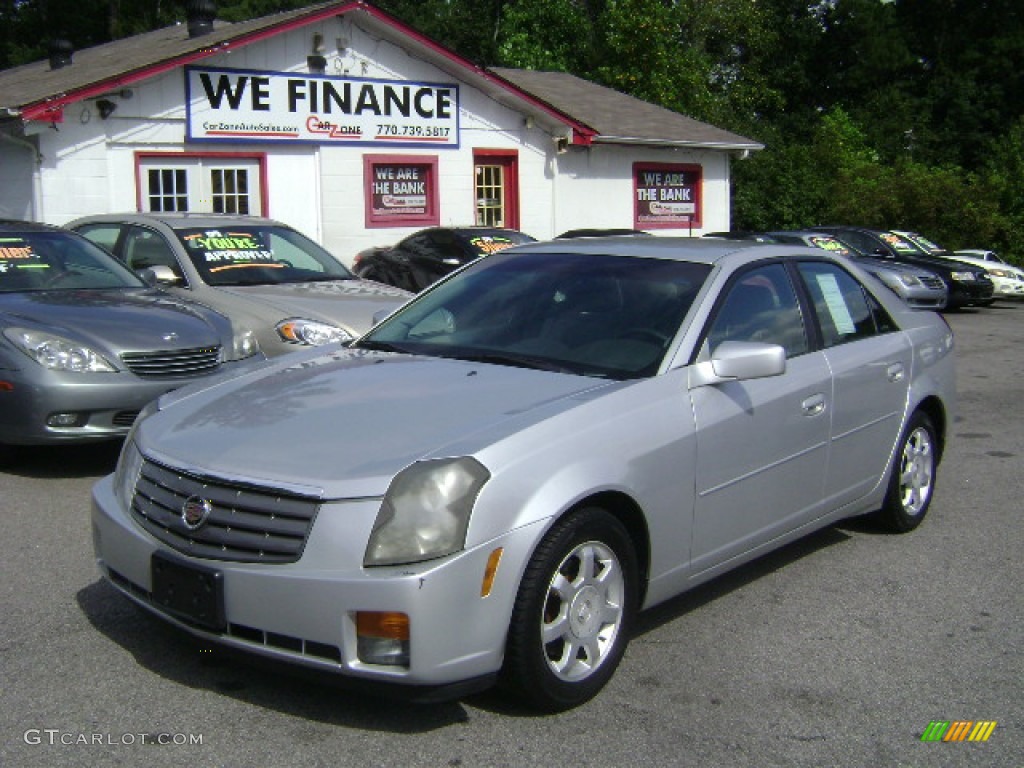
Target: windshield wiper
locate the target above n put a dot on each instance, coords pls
(373, 345)
(518, 361)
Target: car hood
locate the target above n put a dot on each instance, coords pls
(112, 320)
(349, 303)
(342, 424)
(898, 267)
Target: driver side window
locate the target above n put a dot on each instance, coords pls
(761, 306)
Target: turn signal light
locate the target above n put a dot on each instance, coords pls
(490, 572)
(383, 638)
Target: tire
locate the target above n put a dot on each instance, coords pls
(913, 477)
(573, 613)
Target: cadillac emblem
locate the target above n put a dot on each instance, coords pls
(195, 512)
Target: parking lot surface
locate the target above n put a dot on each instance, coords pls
(840, 650)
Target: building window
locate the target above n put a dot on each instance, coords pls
(496, 188)
(168, 189)
(667, 196)
(202, 183)
(230, 190)
(490, 195)
(400, 191)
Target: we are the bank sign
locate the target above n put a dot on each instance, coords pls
(232, 105)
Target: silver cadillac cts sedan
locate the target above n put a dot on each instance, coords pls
(489, 485)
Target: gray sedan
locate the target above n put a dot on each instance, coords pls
(263, 274)
(918, 287)
(85, 344)
(491, 483)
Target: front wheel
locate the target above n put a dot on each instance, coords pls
(913, 477)
(573, 613)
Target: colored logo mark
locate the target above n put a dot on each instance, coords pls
(958, 730)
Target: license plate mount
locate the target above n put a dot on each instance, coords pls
(191, 593)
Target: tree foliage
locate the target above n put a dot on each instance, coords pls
(904, 113)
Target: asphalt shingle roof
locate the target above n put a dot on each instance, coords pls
(616, 116)
(27, 91)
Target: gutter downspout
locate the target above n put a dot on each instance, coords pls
(37, 182)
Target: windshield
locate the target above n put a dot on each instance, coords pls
(902, 245)
(486, 242)
(58, 261)
(829, 243)
(258, 255)
(594, 315)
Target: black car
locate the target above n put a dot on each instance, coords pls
(966, 284)
(572, 234)
(426, 256)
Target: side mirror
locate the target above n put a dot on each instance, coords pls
(159, 275)
(738, 361)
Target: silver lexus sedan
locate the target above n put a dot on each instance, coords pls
(490, 484)
(266, 276)
(85, 344)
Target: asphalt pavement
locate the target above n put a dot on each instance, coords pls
(843, 649)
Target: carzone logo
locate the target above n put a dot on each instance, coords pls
(958, 730)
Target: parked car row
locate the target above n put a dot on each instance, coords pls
(85, 344)
(1007, 280)
(87, 339)
(923, 274)
(604, 413)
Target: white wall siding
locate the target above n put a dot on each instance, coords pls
(17, 172)
(90, 165)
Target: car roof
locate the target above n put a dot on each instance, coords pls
(696, 249)
(16, 225)
(799, 233)
(183, 220)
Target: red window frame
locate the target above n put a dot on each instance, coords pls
(430, 216)
(677, 221)
(509, 159)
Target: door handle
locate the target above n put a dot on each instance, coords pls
(813, 405)
(895, 372)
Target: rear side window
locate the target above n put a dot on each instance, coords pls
(104, 235)
(846, 311)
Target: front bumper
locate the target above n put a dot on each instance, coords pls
(963, 294)
(104, 404)
(1008, 288)
(305, 612)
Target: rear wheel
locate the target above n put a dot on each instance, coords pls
(913, 477)
(573, 613)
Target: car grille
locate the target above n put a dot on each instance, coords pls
(931, 281)
(248, 525)
(173, 363)
(124, 418)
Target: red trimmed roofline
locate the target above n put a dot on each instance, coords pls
(52, 110)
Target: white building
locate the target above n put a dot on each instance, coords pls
(351, 126)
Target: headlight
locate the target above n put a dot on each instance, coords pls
(425, 512)
(57, 353)
(963, 277)
(245, 345)
(1000, 273)
(127, 473)
(298, 331)
(129, 463)
(909, 280)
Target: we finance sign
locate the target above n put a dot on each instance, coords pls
(230, 105)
